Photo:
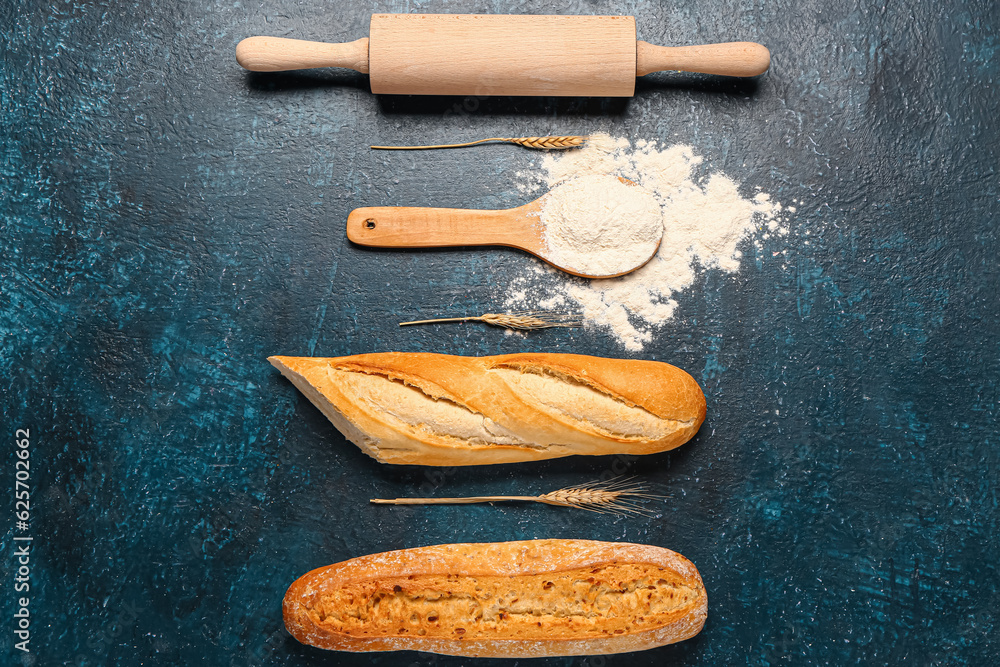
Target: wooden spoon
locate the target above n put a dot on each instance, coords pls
(421, 227)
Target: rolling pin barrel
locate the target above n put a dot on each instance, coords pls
(467, 54)
(441, 54)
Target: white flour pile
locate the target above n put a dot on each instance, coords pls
(598, 226)
(703, 222)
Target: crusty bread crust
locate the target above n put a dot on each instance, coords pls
(525, 599)
(444, 410)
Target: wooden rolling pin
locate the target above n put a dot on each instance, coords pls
(467, 54)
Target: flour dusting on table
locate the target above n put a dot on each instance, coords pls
(704, 221)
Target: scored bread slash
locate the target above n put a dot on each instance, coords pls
(525, 599)
(445, 410)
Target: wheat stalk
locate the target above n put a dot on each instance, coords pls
(522, 321)
(545, 143)
(616, 496)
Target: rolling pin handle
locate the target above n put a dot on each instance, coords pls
(729, 59)
(277, 54)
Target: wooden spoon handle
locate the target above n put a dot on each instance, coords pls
(413, 227)
(729, 59)
(277, 54)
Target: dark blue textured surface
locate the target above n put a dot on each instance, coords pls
(169, 220)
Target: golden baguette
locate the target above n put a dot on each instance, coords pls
(443, 410)
(527, 599)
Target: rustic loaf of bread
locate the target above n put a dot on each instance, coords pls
(532, 598)
(443, 410)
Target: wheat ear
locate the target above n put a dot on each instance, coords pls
(522, 321)
(545, 143)
(616, 496)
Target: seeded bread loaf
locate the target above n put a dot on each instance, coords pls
(443, 410)
(525, 599)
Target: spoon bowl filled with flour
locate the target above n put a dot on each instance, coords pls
(596, 226)
(599, 225)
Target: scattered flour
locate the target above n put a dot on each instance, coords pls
(598, 226)
(703, 224)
